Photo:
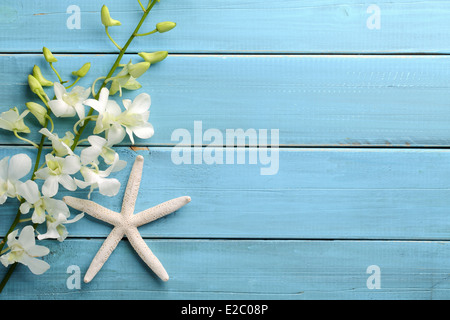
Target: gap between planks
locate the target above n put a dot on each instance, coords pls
(254, 54)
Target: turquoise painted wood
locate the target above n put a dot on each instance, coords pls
(237, 269)
(322, 26)
(316, 194)
(362, 174)
(312, 100)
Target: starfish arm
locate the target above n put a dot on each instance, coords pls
(132, 190)
(103, 254)
(93, 209)
(159, 211)
(146, 254)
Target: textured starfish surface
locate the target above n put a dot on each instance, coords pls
(126, 223)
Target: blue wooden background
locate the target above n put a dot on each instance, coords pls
(364, 164)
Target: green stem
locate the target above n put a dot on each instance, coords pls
(51, 122)
(114, 67)
(146, 34)
(81, 120)
(82, 141)
(26, 140)
(142, 7)
(19, 214)
(93, 85)
(112, 40)
(56, 72)
(7, 276)
(44, 100)
(78, 79)
(76, 140)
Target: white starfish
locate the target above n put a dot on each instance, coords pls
(126, 223)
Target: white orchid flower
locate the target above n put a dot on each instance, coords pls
(56, 228)
(58, 171)
(125, 80)
(29, 190)
(95, 178)
(19, 166)
(24, 250)
(99, 147)
(61, 146)
(111, 118)
(68, 104)
(108, 111)
(13, 121)
(135, 118)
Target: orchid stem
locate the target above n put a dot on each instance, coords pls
(112, 40)
(142, 7)
(150, 6)
(82, 141)
(19, 214)
(51, 122)
(45, 101)
(56, 72)
(146, 34)
(76, 139)
(26, 140)
(81, 121)
(78, 79)
(93, 85)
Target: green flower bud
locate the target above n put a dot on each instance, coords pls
(35, 86)
(165, 26)
(39, 77)
(83, 70)
(154, 57)
(138, 69)
(49, 55)
(107, 21)
(38, 111)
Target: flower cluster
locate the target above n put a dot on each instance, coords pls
(62, 164)
(64, 167)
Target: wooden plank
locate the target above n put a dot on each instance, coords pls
(316, 194)
(325, 26)
(312, 100)
(211, 269)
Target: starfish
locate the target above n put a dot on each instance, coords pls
(126, 223)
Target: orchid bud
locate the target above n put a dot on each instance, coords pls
(49, 55)
(107, 21)
(38, 111)
(83, 70)
(165, 26)
(138, 69)
(35, 86)
(39, 77)
(154, 57)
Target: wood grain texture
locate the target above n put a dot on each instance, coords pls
(212, 269)
(317, 194)
(312, 100)
(323, 26)
(313, 70)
